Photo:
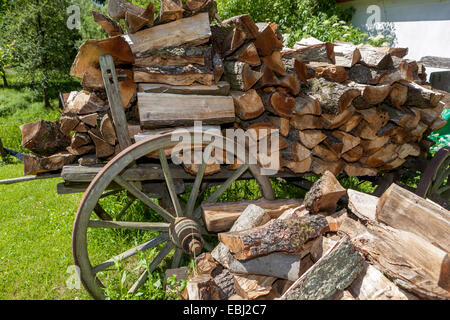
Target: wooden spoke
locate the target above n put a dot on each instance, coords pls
(101, 213)
(144, 198)
(124, 209)
(169, 182)
(177, 258)
(109, 193)
(197, 184)
(443, 189)
(129, 253)
(152, 266)
(216, 195)
(150, 226)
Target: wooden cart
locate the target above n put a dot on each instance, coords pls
(176, 229)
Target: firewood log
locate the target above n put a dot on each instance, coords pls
(311, 138)
(107, 130)
(406, 118)
(80, 139)
(275, 63)
(363, 205)
(282, 123)
(111, 27)
(278, 104)
(174, 75)
(410, 261)
(332, 121)
(305, 104)
(386, 154)
(83, 103)
(403, 210)
(44, 138)
(191, 31)
(291, 83)
(175, 56)
(247, 54)
(34, 165)
(328, 71)
(375, 118)
(347, 54)
(267, 40)
(251, 287)
(357, 170)
(336, 270)
(202, 287)
(372, 146)
(194, 7)
(323, 52)
(322, 152)
(219, 217)
(118, 8)
(298, 67)
(68, 124)
(334, 98)
(324, 194)
(89, 119)
(220, 89)
(287, 235)
(135, 23)
(398, 95)
(240, 75)
(421, 97)
(248, 104)
(80, 151)
(88, 159)
(298, 166)
(320, 166)
(430, 115)
(91, 50)
(351, 124)
(170, 10)
(374, 57)
(102, 148)
(306, 122)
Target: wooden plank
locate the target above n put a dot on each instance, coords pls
(189, 31)
(162, 110)
(436, 62)
(115, 101)
(31, 178)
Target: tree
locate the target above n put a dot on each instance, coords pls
(6, 57)
(44, 46)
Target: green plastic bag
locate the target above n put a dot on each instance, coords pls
(445, 130)
(442, 136)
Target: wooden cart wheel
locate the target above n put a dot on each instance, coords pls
(177, 231)
(434, 183)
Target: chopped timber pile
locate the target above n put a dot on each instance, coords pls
(390, 248)
(355, 110)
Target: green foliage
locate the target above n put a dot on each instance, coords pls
(6, 57)
(299, 19)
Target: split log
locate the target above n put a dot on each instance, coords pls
(306, 122)
(297, 67)
(232, 33)
(335, 271)
(81, 128)
(107, 130)
(83, 103)
(351, 124)
(353, 155)
(251, 287)
(323, 52)
(174, 56)
(296, 152)
(34, 165)
(68, 124)
(322, 152)
(320, 247)
(334, 121)
(268, 79)
(205, 263)
(374, 57)
(398, 95)
(282, 123)
(43, 137)
(406, 119)
(324, 194)
(430, 115)
(248, 104)
(371, 284)
(194, 168)
(357, 170)
(408, 260)
(89, 119)
(218, 68)
(202, 287)
(298, 166)
(290, 83)
(184, 109)
(385, 155)
(191, 31)
(225, 282)
(240, 76)
(438, 124)
(247, 54)
(135, 23)
(421, 97)
(194, 7)
(320, 166)
(170, 11)
(80, 151)
(118, 8)
(275, 63)
(287, 235)
(347, 54)
(311, 138)
(80, 139)
(87, 160)
(111, 27)
(375, 118)
(363, 205)
(279, 104)
(328, 71)
(91, 50)
(102, 148)
(408, 149)
(219, 217)
(174, 75)
(267, 40)
(349, 141)
(403, 210)
(374, 94)
(393, 164)
(334, 98)
(365, 131)
(306, 104)
(220, 89)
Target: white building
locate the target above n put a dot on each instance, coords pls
(421, 25)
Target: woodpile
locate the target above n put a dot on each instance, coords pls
(355, 110)
(390, 248)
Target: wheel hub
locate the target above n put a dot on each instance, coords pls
(185, 233)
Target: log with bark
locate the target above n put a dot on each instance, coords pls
(44, 137)
(324, 194)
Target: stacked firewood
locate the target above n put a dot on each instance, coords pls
(393, 247)
(338, 107)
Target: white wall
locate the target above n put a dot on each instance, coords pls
(422, 26)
